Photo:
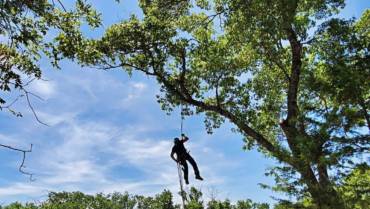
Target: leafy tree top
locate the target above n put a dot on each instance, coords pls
(291, 78)
(27, 30)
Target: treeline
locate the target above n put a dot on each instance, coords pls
(164, 200)
(354, 191)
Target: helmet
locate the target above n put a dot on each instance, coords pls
(176, 140)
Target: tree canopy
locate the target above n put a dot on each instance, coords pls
(289, 74)
(27, 31)
(116, 200)
(355, 191)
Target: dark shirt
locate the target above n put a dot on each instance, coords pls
(179, 149)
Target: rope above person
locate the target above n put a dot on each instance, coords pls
(182, 155)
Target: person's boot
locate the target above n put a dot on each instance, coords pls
(199, 177)
(186, 181)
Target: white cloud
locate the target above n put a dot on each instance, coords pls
(141, 151)
(6, 139)
(84, 149)
(21, 189)
(72, 162)
(43, 88)
(74, 172)
(139, 86)
(135, 91)
(13, 142)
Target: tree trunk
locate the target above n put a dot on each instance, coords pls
(322, 192)
(325, 197)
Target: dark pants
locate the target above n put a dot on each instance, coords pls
(183, 159)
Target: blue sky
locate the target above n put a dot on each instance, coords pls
(107, 133)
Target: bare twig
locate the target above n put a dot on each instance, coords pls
(209, 19)
(12, 103)
(22, 165)
(310, 41)
(277, 63)
(61, 4)
(32, 109)
(27, 94)
(108, 66)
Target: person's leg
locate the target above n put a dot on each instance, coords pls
(195, 167)
(186, 170)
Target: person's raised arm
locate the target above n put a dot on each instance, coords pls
(184, 138)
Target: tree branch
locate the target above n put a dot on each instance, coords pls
(22, 165)
(365, 113)
(109, 66)
(184, 95)
(277, 63)
(27, 94)
(296, 48)
(32, 109)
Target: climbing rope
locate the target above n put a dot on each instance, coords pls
(182, 193)
(179, 168)
(182, 120)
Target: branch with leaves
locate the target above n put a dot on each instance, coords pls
(272, 92)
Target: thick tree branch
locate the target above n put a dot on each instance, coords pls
(296, 48)
(289, 124)
(183, 94)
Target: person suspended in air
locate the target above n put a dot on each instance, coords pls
(182, 155)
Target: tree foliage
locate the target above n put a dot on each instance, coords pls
(164, 200)
(354, 189)
(27, 30)
(299, 96)
(289, 75)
